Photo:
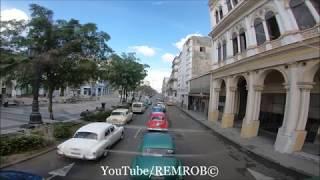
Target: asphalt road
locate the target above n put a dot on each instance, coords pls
(196, 146)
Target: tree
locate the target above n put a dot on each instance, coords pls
(67, 52)
(124, 72)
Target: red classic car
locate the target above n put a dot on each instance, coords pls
(157, 122)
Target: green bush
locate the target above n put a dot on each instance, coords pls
(21, 143)
(99, 116)
(62, 130)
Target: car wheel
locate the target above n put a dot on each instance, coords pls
(105, 153)
(122, 135)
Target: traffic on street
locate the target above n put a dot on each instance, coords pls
(195, 146)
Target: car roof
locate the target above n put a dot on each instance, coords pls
(157, 140)
(120, 110)
(157, 114)
(96, 127)
(137, 103)
(156, 107)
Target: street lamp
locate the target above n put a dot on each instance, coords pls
(35, 116)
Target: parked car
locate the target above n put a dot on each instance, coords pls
(119, 117)
(138, 107)
(157, 109)
(91, 141)
(158, 122)
(18, 175)
(170, 101)
(156, 150)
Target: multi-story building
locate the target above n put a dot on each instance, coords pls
(265, 74)
(164, 87)
(95, 88)
(173, 81)
(194, 61)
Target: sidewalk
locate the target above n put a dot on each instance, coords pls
(262, 147)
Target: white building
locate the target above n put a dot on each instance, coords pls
(96, 88)
(172, 84)
(194, 60)
(164, 87)
(265, 73)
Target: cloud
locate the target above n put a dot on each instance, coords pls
(155, 77)
(180, 43)
(144, 50)
(10, 14)
(168, 57)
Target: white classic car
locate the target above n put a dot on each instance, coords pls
(138, 107)
(91, 141)
(119, 117)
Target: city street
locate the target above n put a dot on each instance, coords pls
(196, 146)
(12, 117)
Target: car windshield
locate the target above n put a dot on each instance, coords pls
(86, 135)
(157, 118)
(137, 105)
(116, 113)
(157, 151)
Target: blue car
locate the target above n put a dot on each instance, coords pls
(18, 175)
(157, 109)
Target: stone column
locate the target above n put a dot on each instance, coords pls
(213, 112)
(266, 32)
(300, 132)
(313, 11)
(287, 136)
(250, 125)
(228, 114)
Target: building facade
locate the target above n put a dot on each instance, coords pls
(265, 72)
(172, 85)
(195, 60)
(164, 87)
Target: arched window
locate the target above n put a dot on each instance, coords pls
(243, 41)
(235, 43)
(316, 4)
(217, 17)
(224, 50)
(220, 12)
(272, 25)
(219, 52)
(302, 14)
(260, 34)
(235, 2)
(229, 5)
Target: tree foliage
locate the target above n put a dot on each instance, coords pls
(124, 72)
(67, 52)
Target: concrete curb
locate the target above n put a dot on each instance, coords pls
(28, 157)
(293, 170)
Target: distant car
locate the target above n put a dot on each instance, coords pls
(157, 109)
(91, 141)
(138, 107)
(158, 122)
(18, 175)
(156, 150)
(160, 103)
(119, 117)
(170, 101)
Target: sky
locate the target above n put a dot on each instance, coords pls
(154, 29)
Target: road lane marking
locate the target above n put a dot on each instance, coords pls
(259, 176)
(61, 171)
(137, 133)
